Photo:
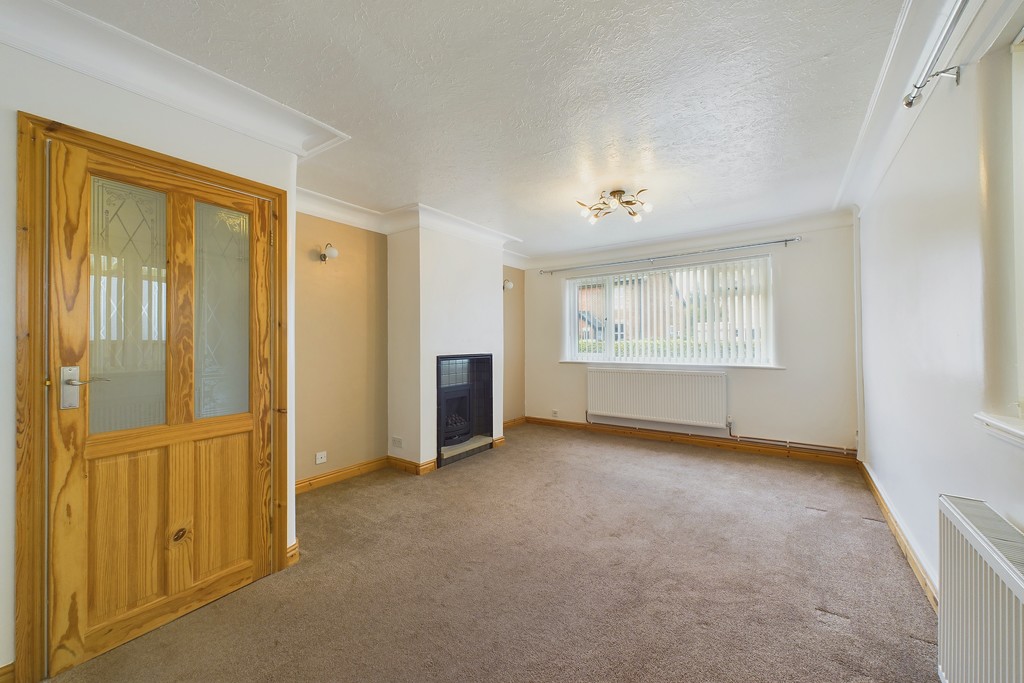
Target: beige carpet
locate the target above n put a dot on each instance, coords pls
(569, 556)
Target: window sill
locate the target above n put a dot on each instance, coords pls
(669, 366)
(1009, 429)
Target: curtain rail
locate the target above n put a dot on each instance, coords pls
(652, 259)
(928, 73)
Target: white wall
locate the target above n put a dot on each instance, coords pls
(937, 307)
(39, 87)
(404, 344)
(444, 298)
(812, 400)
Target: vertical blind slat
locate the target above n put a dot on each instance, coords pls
(676, 310)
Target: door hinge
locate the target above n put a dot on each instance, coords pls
(271, 238)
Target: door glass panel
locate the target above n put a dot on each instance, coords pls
(222, 311)
(128, 311)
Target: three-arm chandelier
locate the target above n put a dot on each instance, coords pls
(609, 201)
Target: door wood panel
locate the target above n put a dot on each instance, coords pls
(180, 556)
(127, 518)
(68, 557)
(223, 505)
(180, 307)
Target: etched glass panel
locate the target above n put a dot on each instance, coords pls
(128, 311)
(222, 311)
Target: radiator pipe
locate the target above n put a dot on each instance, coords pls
(838, 450)
(787, 444)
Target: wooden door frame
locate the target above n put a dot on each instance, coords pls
(30, 573)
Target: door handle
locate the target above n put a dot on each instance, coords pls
(81, 383)
(69, 384)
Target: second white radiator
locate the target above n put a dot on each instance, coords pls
(981, 594)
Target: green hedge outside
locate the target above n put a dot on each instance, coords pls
(654, 348)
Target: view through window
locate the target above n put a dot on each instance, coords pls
(716, 313)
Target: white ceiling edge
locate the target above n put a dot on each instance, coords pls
(69, 38)
(871, 118)
(515, 260)
(329, 208)
(398, 220)
(888, 123)
(723, 237)
(440, 221)
(989, 28)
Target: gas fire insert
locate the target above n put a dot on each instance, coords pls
(464, 404)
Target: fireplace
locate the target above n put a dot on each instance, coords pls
(464, 406)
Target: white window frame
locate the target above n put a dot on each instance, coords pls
(1007, 422)
(716, 351)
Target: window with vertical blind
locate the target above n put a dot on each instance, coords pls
(698, 314)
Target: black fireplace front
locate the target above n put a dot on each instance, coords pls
(465, 407)
(457, 425)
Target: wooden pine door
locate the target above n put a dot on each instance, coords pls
(159, 485)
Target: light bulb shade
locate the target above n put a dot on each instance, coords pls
(648, 207)
(329, 251)
(637, 217)
(592, 220)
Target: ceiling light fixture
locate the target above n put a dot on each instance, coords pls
(609, 201)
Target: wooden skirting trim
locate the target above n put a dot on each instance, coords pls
(363, 468)
(498, 442)
(779, 451)
(901, 540)
(515, 422)
(410, 466)
(293, 553)
(340, 475)
(7, 673)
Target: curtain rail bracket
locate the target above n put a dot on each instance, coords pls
(929, 72)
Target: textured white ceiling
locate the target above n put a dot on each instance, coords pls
(504, 113)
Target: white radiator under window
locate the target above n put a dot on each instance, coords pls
(981, 594)
(674, 397)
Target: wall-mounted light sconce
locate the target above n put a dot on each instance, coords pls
(507, 285)
(330, 251)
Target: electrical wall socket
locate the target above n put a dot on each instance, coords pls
(321, 457)
(554, 413)
(396, 441)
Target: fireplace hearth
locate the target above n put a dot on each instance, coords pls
(464, 406)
